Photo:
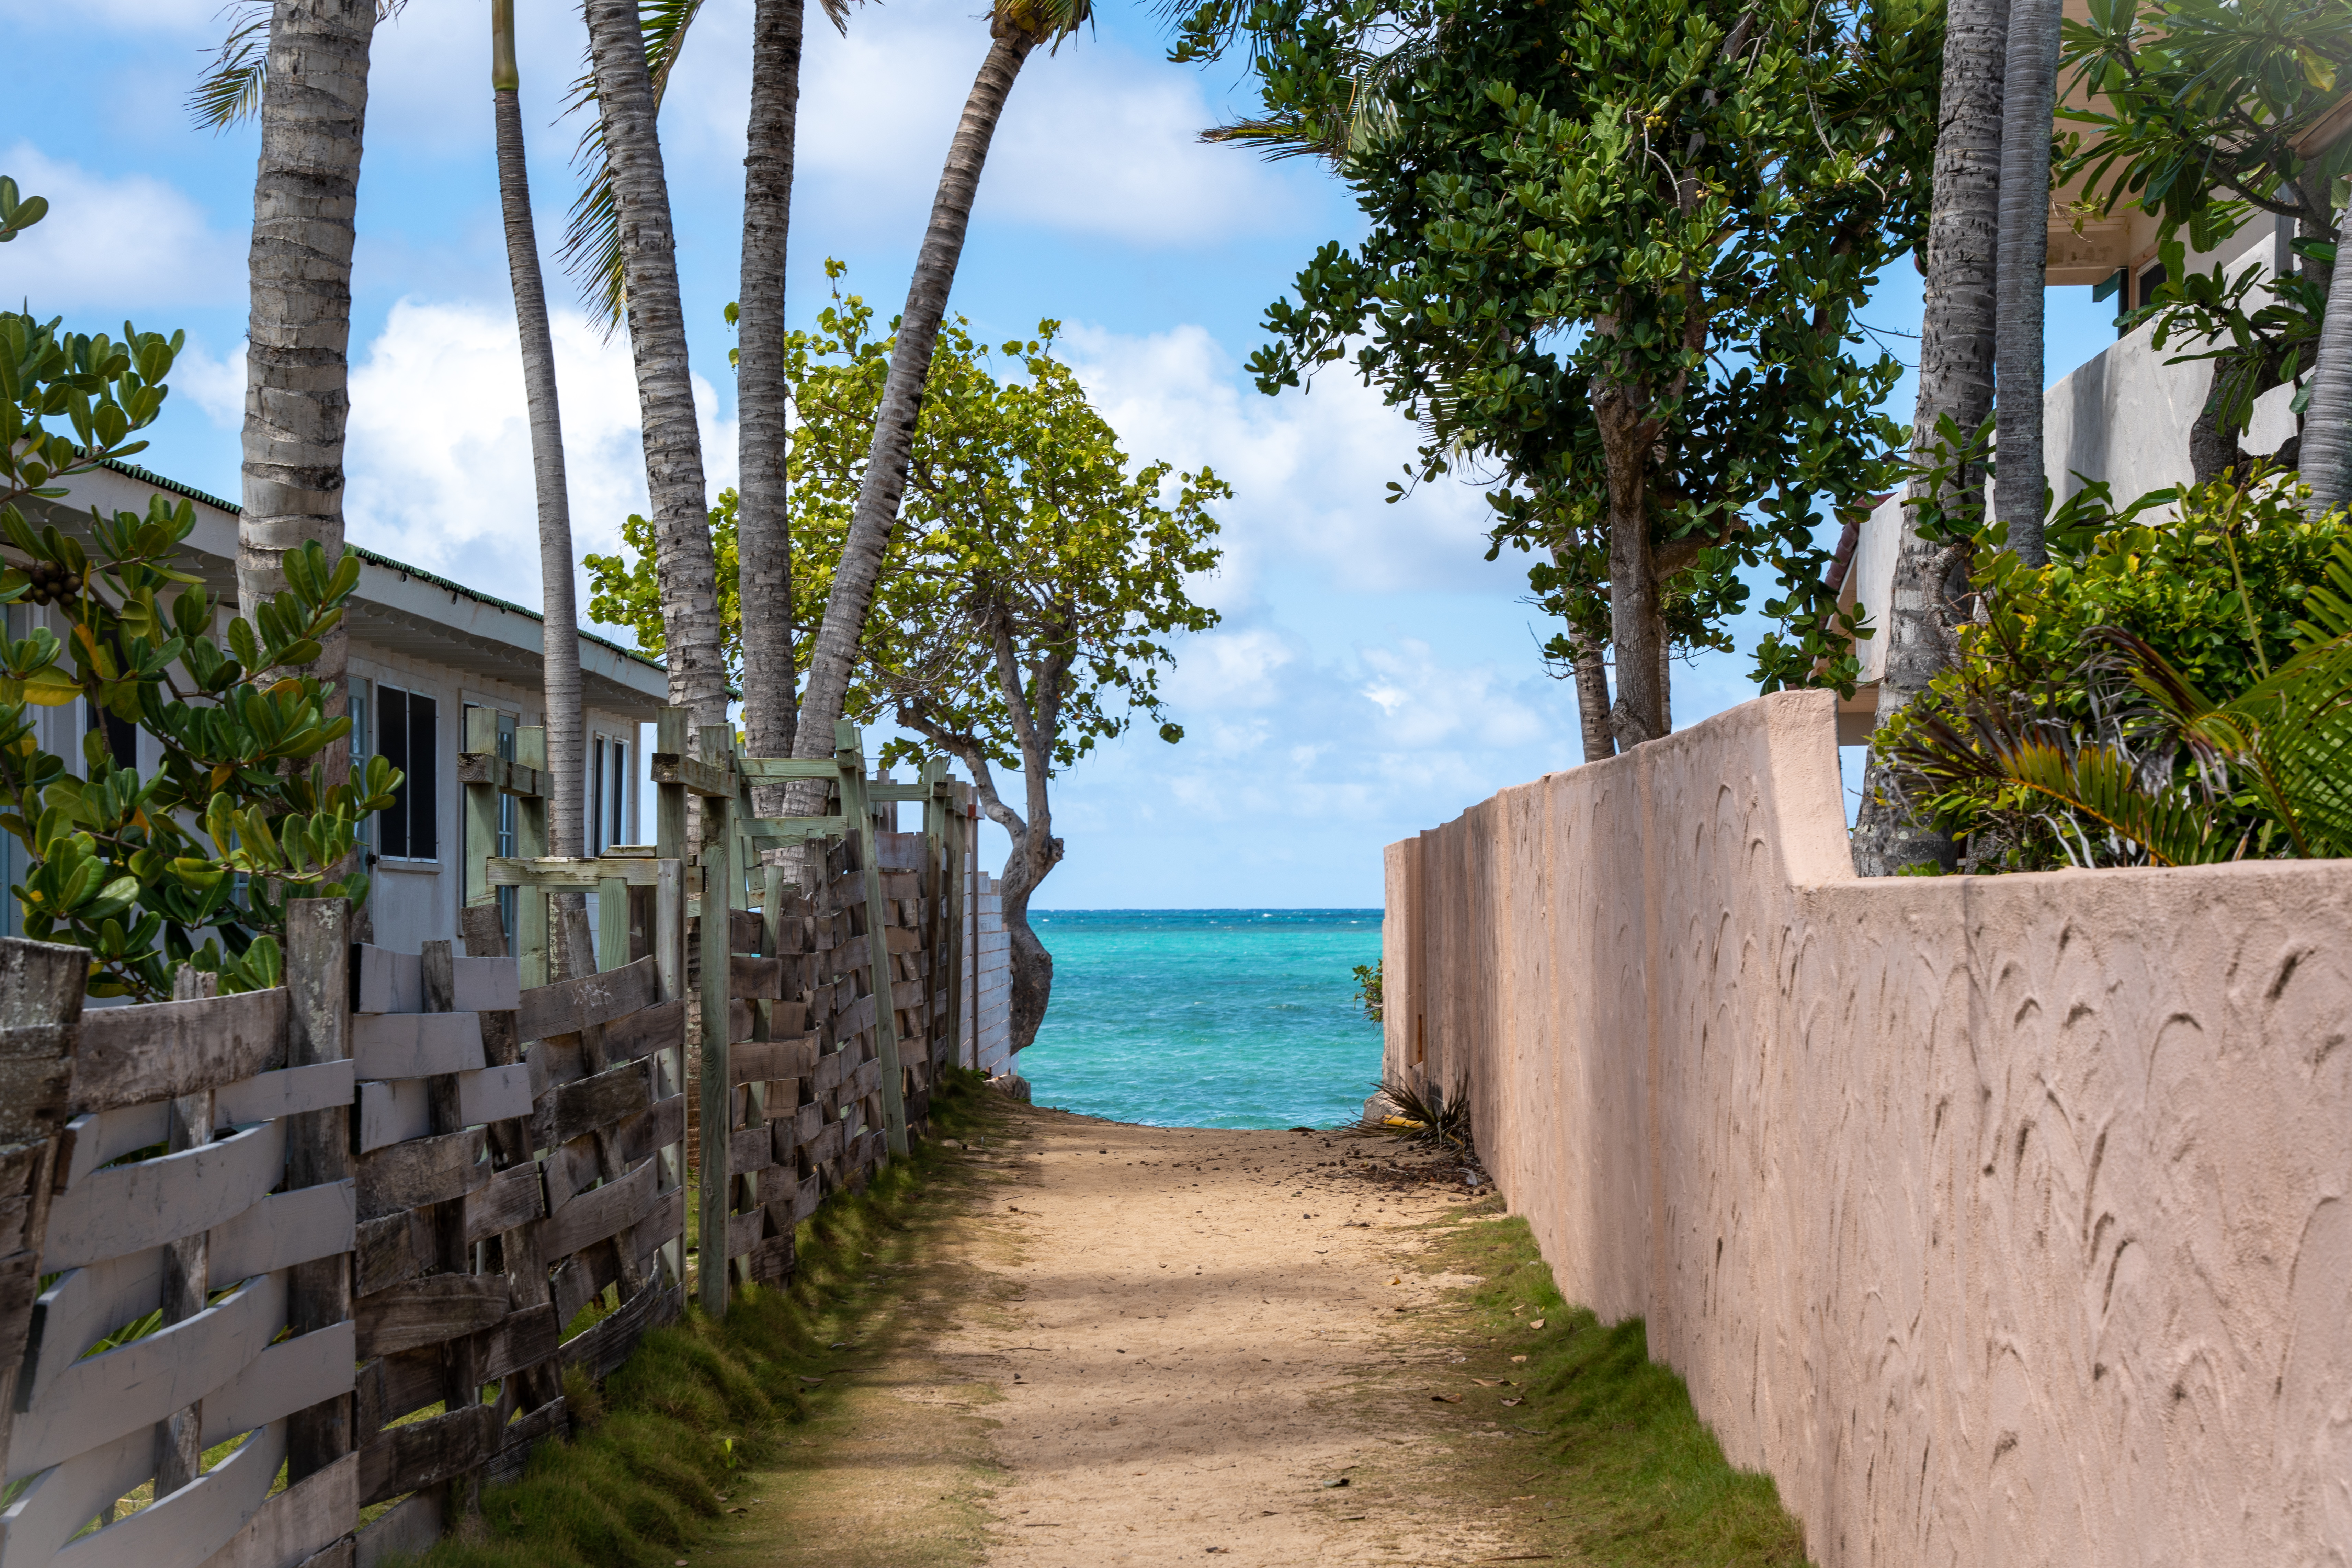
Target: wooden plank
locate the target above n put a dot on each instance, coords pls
(593, 1215)
(285, 1229)
(485, 985)
(407, 1531)
(493, 1094)
(745, 1232)
(581, 875)
(423, 1453)
(826, 1144)
(753, 1061)
(745, 930)
(426, 1170)
(289, 1092)
(830, 1067)
(512, 1197)
(753, 978)
(806, 1123)
(572, 1109)
(522, 1435)
(807, 1196)
(36, 1072)
(658, 1027)
(868, 1077)
(570, 1005)
(125, 1208)
(711, 780)
(291, 1529)
(393, 1113)
(127, 1056)
(853, 1020)
(524, 1338)
(602, 1350)
(750, 1150)
(394, 1248)
(658, 1127)
(184, 1529)
(416, 1045)
(97, 1399)
(383, 981)
(390, 1387)
(716, 1090)
(783, 770)
(664, 1221)
(430, 1311)
(99, 1139)
(285, 1377)
(502, 773)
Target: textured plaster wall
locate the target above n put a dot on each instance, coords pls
(2002, 1220)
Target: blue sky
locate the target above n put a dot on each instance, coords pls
(1373, 675)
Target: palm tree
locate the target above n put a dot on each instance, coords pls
(1956, 366)
(2029, 98)
(307, 82)
(1015, 28)
(567, 745)
(673, 442)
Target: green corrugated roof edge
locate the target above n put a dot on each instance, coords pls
(164, 482)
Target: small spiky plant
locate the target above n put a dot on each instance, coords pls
(1426, 1116)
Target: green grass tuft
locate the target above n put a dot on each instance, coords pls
(1626, 1459)
(653, 1450)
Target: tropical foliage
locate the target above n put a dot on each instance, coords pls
(194, 862)
(2175, 692)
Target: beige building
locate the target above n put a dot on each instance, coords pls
(425, 652)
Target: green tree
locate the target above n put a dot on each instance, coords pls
(1030, 599)
(194, 864)
(1615, 251)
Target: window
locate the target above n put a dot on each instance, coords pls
(596, 797)
(617, 799)
(407, 736)
(356, 704)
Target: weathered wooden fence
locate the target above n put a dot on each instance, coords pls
(990, 1030)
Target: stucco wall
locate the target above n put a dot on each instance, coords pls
(2002, 1220)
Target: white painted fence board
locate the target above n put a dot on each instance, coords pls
(86, 1304)
(493, 1094)
(183, 1529)
(287, 1092)
(284, 1229)
(128, 1208)
(62, 1500)
(390, 982)
(298, 1522)
(108, 1135)
(293, 1374)
(416, 1045)
(393, 1113)
(95, 1401)
(488, 985)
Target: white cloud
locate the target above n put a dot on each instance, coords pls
(439, 454)
(107, 240)
(1309, 471)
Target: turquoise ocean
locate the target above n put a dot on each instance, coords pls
(1206, 1018)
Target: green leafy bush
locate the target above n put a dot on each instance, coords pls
(2076, 728)
(192, 865)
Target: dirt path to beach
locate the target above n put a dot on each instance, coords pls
(1137, 1345)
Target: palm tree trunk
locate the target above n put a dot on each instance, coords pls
(2029, 96)
(298, 356)
(1956, 366)
(683, 562)
(2326, 452)
(762, 534)
(902, 396)
(559, 633)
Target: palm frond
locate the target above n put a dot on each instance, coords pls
(592, 236)
(1427, 1116)
(229, 90)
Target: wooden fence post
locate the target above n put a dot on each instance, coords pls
(530, 844)
(717, 1084)
(856, 815)
(318, 1151)
(40, 1017)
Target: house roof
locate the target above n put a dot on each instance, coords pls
(398, 608)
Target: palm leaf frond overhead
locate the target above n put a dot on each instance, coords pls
(592, 236)
(229, 90)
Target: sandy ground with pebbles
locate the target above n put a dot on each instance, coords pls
(1118, 1344)
(1205, 1328)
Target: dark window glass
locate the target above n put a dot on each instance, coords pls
(596, 799)
(620, 794)
(391, 745)
(408, 736)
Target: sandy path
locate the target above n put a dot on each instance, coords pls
(1196, 1331)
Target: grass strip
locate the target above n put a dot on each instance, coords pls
(1627, 1475)
(652, 1451)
